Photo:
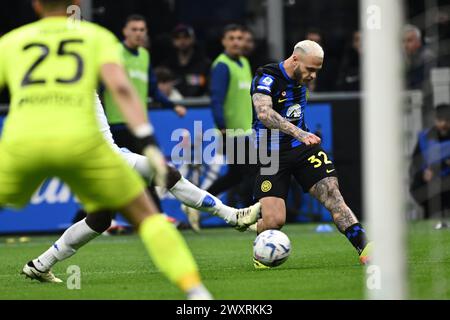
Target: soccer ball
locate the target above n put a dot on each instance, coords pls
(271, 248)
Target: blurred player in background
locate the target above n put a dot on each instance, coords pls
(231, 78)
(137, 63)
(52, 68)
(256, 54)
(279, 94)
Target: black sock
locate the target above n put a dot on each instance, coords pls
(356, 234)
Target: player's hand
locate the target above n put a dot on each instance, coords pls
(310, 139)
(158, 164)
(180, 110)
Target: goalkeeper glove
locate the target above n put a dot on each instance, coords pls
(149, 148)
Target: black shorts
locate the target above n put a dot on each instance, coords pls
(308, 165)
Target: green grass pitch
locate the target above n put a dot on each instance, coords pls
(322, 266)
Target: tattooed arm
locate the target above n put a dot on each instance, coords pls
(273, 120)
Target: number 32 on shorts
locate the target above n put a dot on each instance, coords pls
(319, 160)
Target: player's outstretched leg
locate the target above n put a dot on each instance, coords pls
(78, 235)
(166, 247)
(95, 224)
(194, 197)
(327, 192)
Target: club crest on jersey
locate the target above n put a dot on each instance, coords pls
(294, 112)
(266, 186)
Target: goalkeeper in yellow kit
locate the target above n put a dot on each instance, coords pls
(52, 68)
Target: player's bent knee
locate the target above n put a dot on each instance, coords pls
(273, 213)
(99, 221)
(276, 222)
(173, 177)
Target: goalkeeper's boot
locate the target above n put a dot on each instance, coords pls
(30, 271)
(199, 293)
(259, 266)
(193, 217)
(247, 216)
(366, 255)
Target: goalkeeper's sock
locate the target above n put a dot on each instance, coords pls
(66, 246)
(194, 197)
(170, 252)
(356, 234)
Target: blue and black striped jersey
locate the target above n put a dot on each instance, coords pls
(289, 99)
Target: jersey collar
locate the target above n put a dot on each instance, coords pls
(134, 52)
(283, 71)
(238, 59)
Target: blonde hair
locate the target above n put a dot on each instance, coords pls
(309, 47)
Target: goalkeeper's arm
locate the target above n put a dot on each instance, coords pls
(125, 95)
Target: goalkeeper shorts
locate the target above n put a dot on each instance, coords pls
(99, 176)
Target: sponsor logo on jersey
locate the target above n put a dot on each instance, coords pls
(244, 85)
(138, 74)
(294, 112)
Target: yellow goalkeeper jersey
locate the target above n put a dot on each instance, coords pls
(52, 68)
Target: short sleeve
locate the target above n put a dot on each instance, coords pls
(264, 83)
(107, 48)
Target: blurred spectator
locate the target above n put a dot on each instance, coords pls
(188, 63)
(166, 83)
(314, 34)
(253, 52)
(349, 73)
(418, 58)
(231, 79)
(430, 168)
(137, 63)
(443, 27)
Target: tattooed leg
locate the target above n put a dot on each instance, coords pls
(327, 192)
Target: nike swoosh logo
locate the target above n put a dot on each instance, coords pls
(330, 171)
(281, 100)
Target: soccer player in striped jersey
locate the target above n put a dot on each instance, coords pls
(279, 93)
